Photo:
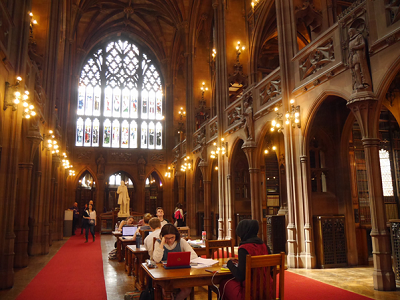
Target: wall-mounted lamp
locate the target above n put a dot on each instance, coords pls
(214, 53)
(203, 89)
(187, 164)
(254, 3)
(291, 117)
(239, 50)
(221, 148)
(272, 148)
(182, 113)
(71, 173)
(32, 23)
(168, 173)
(12, 95)
(49, 139)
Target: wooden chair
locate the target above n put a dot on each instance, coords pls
(213, 248)
(262, 267)
(184, 232)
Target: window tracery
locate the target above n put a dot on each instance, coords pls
(119, 94)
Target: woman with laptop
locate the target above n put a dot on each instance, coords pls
(171, 241)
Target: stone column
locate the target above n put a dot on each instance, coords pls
(364, 106)
(221, 100)
(286, 26)
(207, 197)
(249, 148)
(21, 221)
(309, 260)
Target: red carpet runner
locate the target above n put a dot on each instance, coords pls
(75, 272)
(299, 287)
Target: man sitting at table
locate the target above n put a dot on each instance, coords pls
(172, 242)
(155, 225)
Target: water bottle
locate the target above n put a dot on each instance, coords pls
(138, 239)
(116, 226)
(203, 236)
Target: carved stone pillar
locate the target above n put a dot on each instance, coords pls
(34, 233)
(207, 198)
(21, 222)
(364, 106)
(309, 259)
(221, 100)
(249, 149)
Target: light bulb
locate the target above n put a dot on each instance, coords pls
(287, 122)
(296, 114)
(26, 92)
(272, 128)
(291, 101)
(273, 122)
(34, 22)
(31, 107)
(17, 94)
(25, 104)
(27, 116)
(19, 78)
(275, 108)
(26, 110)
(274, 148)
(266, 151)
(16, 101)
(287, 115)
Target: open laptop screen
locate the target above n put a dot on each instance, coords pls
(128, 230)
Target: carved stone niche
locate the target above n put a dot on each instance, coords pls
(271, 91)
(317, 59)
(393, 10)
(213, 129)
(308, 19)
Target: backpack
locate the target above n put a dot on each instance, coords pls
(178, 214)
(148, 293)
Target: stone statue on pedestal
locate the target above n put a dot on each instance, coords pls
(123, 200)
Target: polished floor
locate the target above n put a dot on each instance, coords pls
(358, 280)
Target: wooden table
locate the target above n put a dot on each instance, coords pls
(122, 242)
(181, 278)
(133, 260)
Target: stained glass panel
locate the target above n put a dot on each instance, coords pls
(121, 82)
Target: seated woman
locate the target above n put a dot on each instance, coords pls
(171, 241)
(128, 221)
(247, 230)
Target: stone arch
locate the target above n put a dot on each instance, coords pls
(81, 172)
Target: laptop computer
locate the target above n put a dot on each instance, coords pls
(128, 230)
(177, 260)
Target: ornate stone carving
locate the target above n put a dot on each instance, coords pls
(309, 16)
(213, 129)
(234, 114)
(350, 9)
(141, 166)
(247, 117)
(84, 155)
(101, 163)
(358, 61)
(394, 10)
(317, 59)
(121, 156)
(157, 157)
(271, 91)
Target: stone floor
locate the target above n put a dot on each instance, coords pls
(358, 280)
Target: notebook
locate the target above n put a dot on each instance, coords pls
(128, 230)
(177, 260)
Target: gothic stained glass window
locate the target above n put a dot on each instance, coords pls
(119, 88)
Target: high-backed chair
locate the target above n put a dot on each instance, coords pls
(184, 232)
(261, 276)
(217, 249)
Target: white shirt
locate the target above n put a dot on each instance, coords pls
(185, 247)
(92, 215)
(148, 241)
(163, 222)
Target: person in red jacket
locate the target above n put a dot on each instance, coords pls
(250, 243)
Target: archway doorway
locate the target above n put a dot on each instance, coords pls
(86, 190)
(241, 187)
(114, 181)
(153, 196)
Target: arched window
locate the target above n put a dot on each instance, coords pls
(119, 96)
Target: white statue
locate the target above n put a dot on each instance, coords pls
(123, 200)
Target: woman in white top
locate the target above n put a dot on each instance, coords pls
(171, 241)
(91, 221)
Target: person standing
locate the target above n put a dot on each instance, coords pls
(91, 217)
(75, 219)
(160, 216)
(178, 216)
(84, 221)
